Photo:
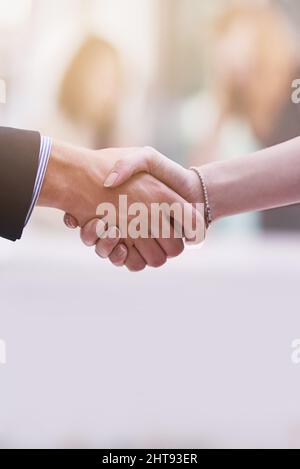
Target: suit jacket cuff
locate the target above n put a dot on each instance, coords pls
(19, 156)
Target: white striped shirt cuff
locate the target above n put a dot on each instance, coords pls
(45, 150)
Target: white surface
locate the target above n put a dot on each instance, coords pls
(196, 354)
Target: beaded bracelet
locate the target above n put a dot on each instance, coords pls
(207, 209)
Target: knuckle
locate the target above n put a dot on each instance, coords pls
(151, 155)
(151, 151)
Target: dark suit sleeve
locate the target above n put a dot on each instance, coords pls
(19, 154)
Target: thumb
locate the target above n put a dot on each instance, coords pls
(140, 161)
(150, 161)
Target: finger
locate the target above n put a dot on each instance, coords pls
(173, 247)
(135, 262)
(70, 221)
(105, 246)
(90, 232)
(151, 252)
(119, 255)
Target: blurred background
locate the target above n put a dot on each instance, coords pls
(198, 353)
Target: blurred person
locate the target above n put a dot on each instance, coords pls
(249, 106)
(89, 96)
(254, 62)
(91, 92)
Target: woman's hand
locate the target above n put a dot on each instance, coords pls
(135, 161)
(148, 160)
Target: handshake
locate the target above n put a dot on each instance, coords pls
(159, 203)
(134, 205)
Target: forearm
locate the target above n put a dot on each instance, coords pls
(267, 179)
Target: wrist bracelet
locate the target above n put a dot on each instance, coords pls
(207, 209)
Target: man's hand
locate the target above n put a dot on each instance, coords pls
(132, 162)
(74, 183)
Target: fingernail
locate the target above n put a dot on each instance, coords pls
(112, 178)
(69, 222)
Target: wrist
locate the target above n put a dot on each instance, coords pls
(74, 181)
(204, 196)
(194, 191)
(212, 175)
(64, 167)
(208, 179)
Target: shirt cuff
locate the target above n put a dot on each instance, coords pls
(45, 150)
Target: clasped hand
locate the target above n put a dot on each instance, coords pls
(144, 176)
